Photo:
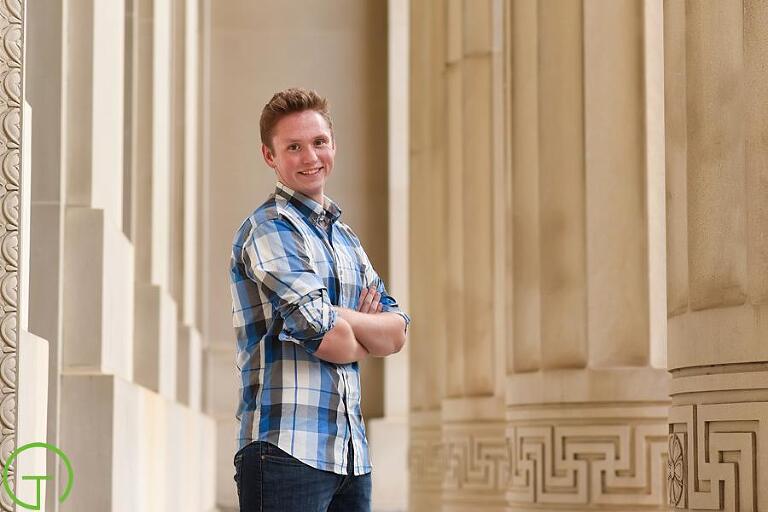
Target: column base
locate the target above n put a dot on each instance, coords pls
(388, 443)
(587, 456)
(131, 449)
(426, 462)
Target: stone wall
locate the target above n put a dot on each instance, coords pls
(115, 178)
(539, 260)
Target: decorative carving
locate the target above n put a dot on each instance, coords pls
(426, 459)
(722, 445)
(476, 462)
(596, 464)
(11, 58)
(676, 470)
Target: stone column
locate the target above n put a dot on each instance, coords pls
(717, 184)
(473, 408)
(184, 183)
(458, 447)
(388, 436)
(110, 423)
(428, 232)
(43, 80)
(586, 387)
(97, 303)
(156, 310)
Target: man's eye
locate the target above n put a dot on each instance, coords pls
(293, 147)
(320, 142)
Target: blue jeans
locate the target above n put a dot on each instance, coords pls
(270, 480)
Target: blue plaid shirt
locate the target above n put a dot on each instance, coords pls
(293, 260)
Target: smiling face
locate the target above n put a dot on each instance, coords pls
(303, 152)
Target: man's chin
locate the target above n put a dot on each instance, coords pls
(316, 190)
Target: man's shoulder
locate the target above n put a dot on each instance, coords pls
(273, 213)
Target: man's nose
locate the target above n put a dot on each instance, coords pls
(310, 155)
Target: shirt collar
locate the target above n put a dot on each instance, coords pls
(329, 211)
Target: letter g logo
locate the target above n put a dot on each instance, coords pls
(37, 478)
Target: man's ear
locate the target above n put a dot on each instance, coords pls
(267, 154)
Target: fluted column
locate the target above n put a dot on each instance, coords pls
(586, 387)
(472, 411)
(458, 446)
(428, 232)
(97, 301)
(717, 184)
(184, 183)
(155, 352)
(388, 436)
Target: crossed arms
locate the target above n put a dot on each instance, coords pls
(358, 333)
(276, 257)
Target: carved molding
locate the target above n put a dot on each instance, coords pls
(721, 449)
(462, 463)
(477, 459)
(618, 463)
(11, 59)
(426, 460)
(676, 469)
(584, 462)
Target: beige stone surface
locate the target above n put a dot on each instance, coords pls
(32, 415)
(189, 379)
(388, 442)
(94, 102)
(97, 302)
(136, 449)
(552, 131)
(457, 434)
(616, 232)
(100, 286)
(716, 214)
(226, 444)
(429, 173)
(155, 349)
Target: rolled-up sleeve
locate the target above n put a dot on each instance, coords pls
(388, 303)
(276, 258)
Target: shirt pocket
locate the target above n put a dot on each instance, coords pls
(352, 278)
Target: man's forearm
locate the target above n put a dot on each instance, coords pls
(340, 346)
(381, 334)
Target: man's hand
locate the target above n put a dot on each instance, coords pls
(382, 334)
(369, 301)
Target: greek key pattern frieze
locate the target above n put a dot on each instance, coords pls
(426, 459)
(719, 449)
(476, 462)
(575, 464)
(11, 58)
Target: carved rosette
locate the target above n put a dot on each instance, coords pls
(721, 448)
(11, 59)
(676, 470)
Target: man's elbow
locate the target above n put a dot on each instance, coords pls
(337, 346)
(399, 335)
(399, 343)
(395, 345)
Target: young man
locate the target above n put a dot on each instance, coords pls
(307, 306)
